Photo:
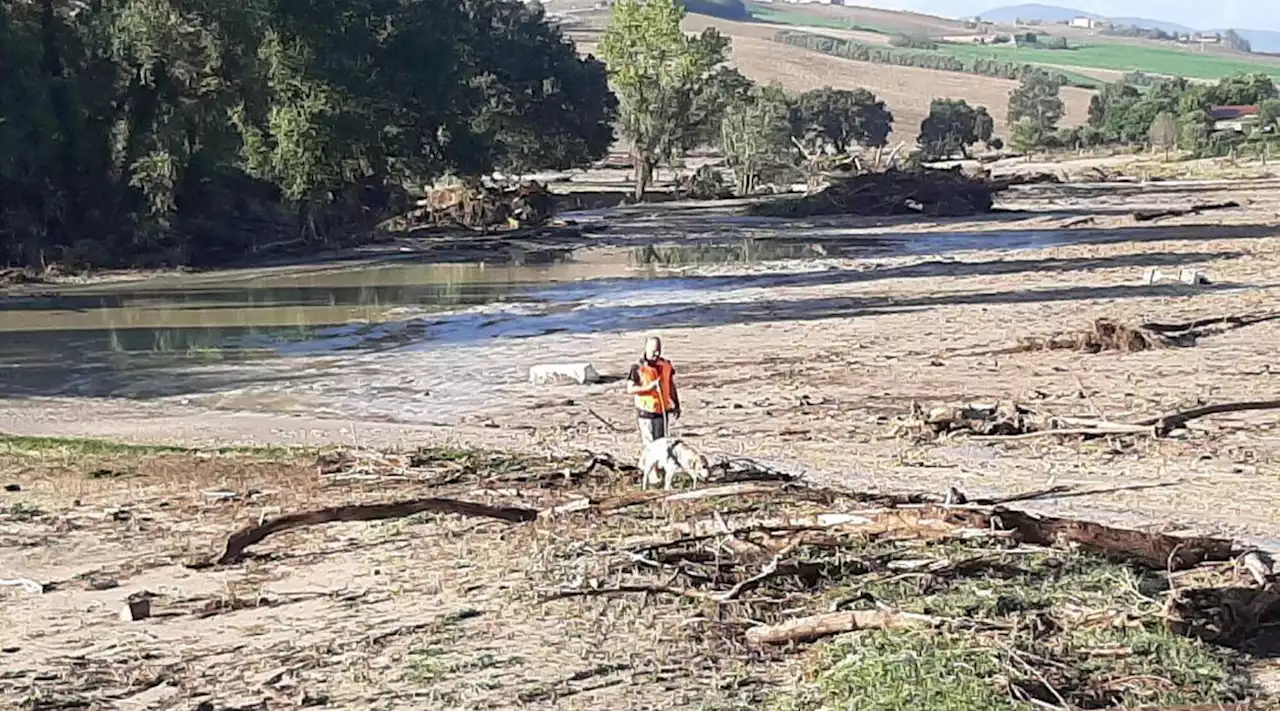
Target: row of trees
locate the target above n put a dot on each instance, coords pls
(146, 127)
(940, 61)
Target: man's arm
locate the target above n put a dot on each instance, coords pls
(675, 394)
(635, 387)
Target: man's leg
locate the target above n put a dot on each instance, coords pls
(648, 433)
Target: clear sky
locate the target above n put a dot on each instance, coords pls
(1199, 14)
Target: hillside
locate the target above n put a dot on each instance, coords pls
(1033, 11)
(1262, 40)
(907, 90)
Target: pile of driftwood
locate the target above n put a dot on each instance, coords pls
(483, 207)
(893, 192)
(1108, 335)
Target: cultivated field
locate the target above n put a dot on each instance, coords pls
(887, 21)
(908, 91)
(1092, 50)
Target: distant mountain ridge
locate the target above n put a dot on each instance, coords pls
(1262, 40)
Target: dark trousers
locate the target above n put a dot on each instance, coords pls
(651, 428)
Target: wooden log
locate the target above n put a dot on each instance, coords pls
(251, 535)
(1149, 215)
(1158, 551)
(807, 629)
(1164, 424)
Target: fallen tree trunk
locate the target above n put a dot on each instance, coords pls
(807, 629)
(1158, 551)
(252, 535)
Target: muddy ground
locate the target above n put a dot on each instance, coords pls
(609, 598)
(807, 363)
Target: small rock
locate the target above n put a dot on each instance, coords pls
(135, 610)
(559, 373)
(13, 488)
(103, 583)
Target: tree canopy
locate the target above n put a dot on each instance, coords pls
(951, 127)
(144, 126)
(669, 85)
(837, 120)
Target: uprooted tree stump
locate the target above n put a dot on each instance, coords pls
(1107, 335)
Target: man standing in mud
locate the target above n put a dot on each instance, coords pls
(652, 382)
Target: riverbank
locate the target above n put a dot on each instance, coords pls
(807, 358)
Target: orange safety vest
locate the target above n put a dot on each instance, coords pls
(660, 401)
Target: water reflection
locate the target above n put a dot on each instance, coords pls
(109, 339)
(746, 250)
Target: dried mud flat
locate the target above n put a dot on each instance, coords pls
(604, 597)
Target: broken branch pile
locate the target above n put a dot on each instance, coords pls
(1108, 335)
(479, 207)
(893, 192)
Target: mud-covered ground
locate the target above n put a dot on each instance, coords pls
(807, 362)
(601, 597)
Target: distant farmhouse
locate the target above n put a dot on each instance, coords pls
(1087, 23)
(1240, 119)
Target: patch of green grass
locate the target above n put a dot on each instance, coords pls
(916, 671)
(800, 18)
(82, 446)
(1118, 56)
(1021, 625)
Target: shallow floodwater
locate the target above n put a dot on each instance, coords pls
(84, 340)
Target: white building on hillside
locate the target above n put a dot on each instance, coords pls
(1087, 23)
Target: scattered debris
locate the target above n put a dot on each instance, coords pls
(1108, 335)
(103, 583)
(1190, 277)
(558, 373)
(1008, 421)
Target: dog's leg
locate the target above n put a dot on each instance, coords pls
(668, 478)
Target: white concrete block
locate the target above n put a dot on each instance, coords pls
(563, 373)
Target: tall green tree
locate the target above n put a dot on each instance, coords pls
(1243, 90)
(755, 136)
(837, 120)
(1035, 107)
(132, 127)
(663, 80)
(950, 128)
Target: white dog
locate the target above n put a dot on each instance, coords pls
(671, 456)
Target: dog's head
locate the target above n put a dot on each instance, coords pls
(701, 468)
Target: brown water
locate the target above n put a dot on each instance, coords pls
(90, 340)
